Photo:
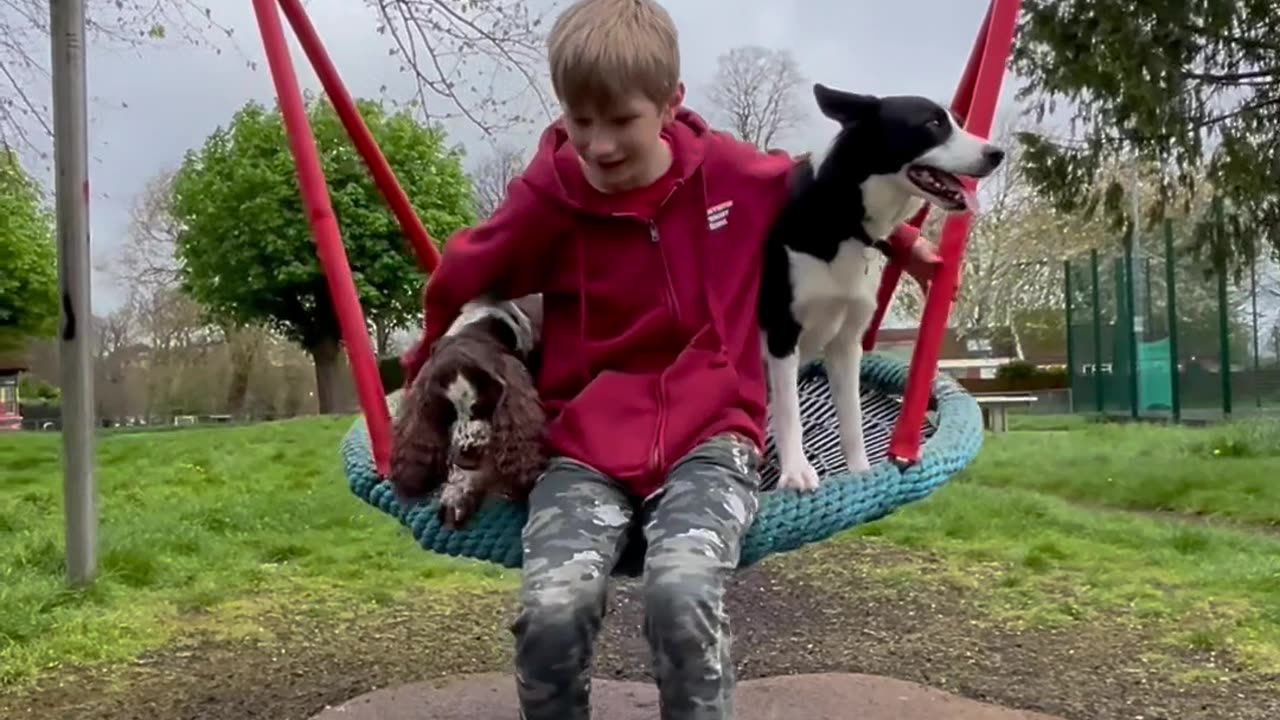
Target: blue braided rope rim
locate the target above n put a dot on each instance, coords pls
(786, 521)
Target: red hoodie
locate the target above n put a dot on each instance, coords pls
(649, 300)
(652, 343)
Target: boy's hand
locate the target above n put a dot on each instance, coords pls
(922, 260)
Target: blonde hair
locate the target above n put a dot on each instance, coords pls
(602, 50)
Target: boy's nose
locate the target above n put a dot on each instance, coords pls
(601, 148)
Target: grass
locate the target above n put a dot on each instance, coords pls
(1043, 526)
(203, 529)
(1038, 560)
(210, 530)
(1227, 472)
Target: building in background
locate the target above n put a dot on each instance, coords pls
(977, 356)
(11, 368)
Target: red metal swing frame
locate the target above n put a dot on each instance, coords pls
(975, 101)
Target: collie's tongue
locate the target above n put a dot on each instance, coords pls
(958, 186)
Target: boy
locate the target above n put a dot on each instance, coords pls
(644, 231)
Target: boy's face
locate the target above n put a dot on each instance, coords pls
(620, 142)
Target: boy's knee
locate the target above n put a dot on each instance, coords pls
(560, 610)
(684, 601)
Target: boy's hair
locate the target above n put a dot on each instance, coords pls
(602, 50)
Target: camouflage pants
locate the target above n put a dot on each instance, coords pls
(578, 524)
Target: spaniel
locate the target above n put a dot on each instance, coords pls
(471, 419)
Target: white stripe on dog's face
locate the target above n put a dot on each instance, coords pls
(467, 432)
(962, 154)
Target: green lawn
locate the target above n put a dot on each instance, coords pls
(208, 530)
(1230, 472)
(1044, 525)
(201, 529)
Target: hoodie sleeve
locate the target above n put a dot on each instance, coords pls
(501, 257)
(768, 170)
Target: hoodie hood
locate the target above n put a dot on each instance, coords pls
(556, 170)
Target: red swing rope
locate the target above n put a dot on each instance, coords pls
(975, 101)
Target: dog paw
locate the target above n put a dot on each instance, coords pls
(858, 463)
(456, 506)
(798, 475)
(455, 514)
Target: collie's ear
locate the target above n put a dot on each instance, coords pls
(844, 107)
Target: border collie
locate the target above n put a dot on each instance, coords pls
(826, 252)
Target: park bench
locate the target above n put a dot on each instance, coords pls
(995, 409)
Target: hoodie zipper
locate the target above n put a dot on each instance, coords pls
(656, 459)
(669, 294)
(668, 297)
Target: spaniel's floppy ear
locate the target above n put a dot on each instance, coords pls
(518, 424)
(420, 451)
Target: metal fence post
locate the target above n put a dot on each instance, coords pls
(1171, 291)
(1071, 345)
(1257, 362)
(1224, 341)
(1131, 319)
(1097, 333)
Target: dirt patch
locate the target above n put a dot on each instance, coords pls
(789, 618)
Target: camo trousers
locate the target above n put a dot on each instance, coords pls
(578, 524)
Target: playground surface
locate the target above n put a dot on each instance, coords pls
(791, 617)
(1139, 582)
(825, 696)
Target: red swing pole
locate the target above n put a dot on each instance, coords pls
(383, 176)
(960, 103)
(328, 238)
(976, 101)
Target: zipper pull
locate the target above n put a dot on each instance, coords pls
(653, 231)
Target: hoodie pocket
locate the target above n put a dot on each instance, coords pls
(622, 423)
(610, 425)
(698, 389)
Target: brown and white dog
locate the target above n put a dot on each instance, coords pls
(471, 420)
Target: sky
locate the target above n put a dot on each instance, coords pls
(149, 105)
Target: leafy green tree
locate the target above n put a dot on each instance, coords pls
(1192, 88)
(28, 257)
(245, 245)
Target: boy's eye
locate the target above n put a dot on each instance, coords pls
(622, 120)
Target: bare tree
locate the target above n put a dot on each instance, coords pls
(172, 323)
(492, 175)
(24, 56)
(147, 258)
(484, 58)
(1012, 274)
(755, 92)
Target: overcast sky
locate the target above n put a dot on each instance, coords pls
(152, 104)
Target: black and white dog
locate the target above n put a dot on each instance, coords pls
(828, 247)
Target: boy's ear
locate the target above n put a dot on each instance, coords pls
(677, 100)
